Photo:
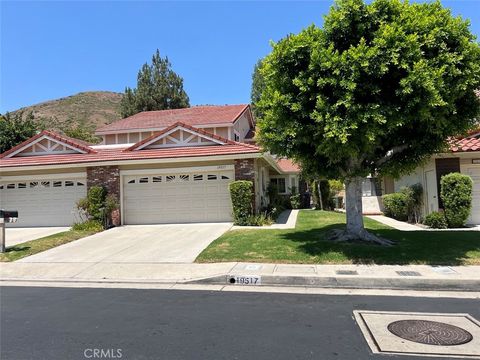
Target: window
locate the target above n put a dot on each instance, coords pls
(280, 184)
(1, 187)
(197, 177)
(143, 180)
(69, 183)
(34, 184)
(170, 178)
(22, 185)
(80, 183)
(132, 181)
(45, 183)
(184, 177)
(371, 187)
(236, 136)
(11, 186)
(211, 177)
(57, 184)
(156, 179)
(224, 177)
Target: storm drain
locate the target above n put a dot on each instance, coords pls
(409, 273)
(430, 332)
(346, 272)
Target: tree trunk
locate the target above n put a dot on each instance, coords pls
(320, 200)
(353, 203)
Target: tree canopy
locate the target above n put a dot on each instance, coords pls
(378, 89)
(15, 128)
(258, 85)
(158, 88)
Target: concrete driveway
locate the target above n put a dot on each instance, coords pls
(178, 243)
(14, 236)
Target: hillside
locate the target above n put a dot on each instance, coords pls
(93, 109)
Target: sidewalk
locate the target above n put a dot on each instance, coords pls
(413, 277)
(404, 226)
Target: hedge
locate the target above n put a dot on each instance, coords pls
(456, 195)
(436, 220)
(241, 193)
(396, 205)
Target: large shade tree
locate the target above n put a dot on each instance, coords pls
(15, 128)
(377, 90)
(158, 88)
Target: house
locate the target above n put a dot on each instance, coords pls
(162, 166)
(463, 157)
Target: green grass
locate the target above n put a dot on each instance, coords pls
(307, 244)
(22, 250)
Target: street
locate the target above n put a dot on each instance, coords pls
(82, 323)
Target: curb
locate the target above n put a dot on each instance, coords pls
(348, 282)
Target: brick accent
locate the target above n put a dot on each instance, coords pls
(245, 170)
(108, 177)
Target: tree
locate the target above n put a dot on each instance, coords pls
(80, 130)
(158, 88)
(15, 128)
(258, 85)
(377, 90)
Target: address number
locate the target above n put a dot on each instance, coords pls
(245, 280)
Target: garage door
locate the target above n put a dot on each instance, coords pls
(43, 202)
(474, 173)
(177, 198)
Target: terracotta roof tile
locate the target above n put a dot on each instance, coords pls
(197, 115)
(287, 165)
(466, 144)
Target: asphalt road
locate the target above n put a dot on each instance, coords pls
(66, 323)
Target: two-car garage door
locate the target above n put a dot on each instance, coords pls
(177, 197)
(43, 202)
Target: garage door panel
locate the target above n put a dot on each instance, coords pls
(187, 197)
(474, 173)
(43, 203)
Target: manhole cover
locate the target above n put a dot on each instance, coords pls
(430, 332)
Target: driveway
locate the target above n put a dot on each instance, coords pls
(14, 236)
(177, 243)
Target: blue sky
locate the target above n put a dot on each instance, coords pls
(55, 49)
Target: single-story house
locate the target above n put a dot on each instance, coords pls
(162, 166)
(463, 157)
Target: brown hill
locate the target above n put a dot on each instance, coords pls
(92, 109)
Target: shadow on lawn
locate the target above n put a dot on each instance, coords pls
(412, 247)
(17, 248)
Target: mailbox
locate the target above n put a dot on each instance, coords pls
(9, 215)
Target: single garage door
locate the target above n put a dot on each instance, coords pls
(177, 198)
(43, 202)
(474, 173)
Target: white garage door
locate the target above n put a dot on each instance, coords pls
(177, 198)
(474, 173)
(43, 202)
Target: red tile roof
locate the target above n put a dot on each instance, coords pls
(465, 145)
(287, 165)
(79, 144)
(120, 155)
(197, 115)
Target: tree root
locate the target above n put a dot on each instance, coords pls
(339, 235)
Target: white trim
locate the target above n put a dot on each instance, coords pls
(191, 169)
(122, 207)
(77, 175)
(40, 139)
(177, 142)
(123, 131)
(135, 162)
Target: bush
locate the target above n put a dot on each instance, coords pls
(241, 193)
(96, 202)
(414, 200)
(294, 200)
(89, 225)
(259, 220)
(436, 220)
(396, 205)
(456, 195)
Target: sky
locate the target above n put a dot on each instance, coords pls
(59, 48)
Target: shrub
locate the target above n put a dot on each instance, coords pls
(259, 220)
(241, 193)
(396, 205)
(414, 200)
(436, 220)
(96, 203)
(295, 200)
(89, 225)
(456, 194)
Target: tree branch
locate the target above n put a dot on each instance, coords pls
(390, 153)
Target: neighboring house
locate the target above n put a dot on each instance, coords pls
(162, 166)
(464, 157)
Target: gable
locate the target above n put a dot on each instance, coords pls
(179, 136)
(45, 145)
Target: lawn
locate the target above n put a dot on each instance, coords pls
(306, 244)
(35, 246)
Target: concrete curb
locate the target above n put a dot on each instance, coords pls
(349, 282)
